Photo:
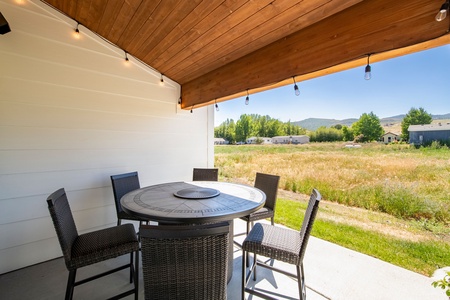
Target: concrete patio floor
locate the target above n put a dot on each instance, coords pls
(331, 272)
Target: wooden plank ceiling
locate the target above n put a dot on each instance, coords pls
(220, 49)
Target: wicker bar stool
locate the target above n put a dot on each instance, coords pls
(122, 184)
(92, 247)
(281, 244)
(269, 185)
(185, 262)
(205, 174)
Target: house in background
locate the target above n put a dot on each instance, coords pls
(258, 140)
(300, 139)
(220, 141)
(390, 137)
(291, 139)
(425, 134)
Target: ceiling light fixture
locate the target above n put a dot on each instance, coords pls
(217, 106)
(442, 14)
(297, 91)
(368, 70)
(247, 99)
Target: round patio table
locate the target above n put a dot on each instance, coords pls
(195, 202)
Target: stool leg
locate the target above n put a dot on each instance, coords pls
(301, 282)
(244, 274)
(70, 284)
(136, 276)
(248, 230)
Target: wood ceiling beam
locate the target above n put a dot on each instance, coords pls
(368, 27)
(441, 41)
(288, 17)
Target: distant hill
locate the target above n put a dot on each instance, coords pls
(314, 123)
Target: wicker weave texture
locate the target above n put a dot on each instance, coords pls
(92, 247)
(189, 267)
(274, 242)
(282, 243)
(122, 184)
(205, 174)
(269, 185)
(63, 221)
(103, 244)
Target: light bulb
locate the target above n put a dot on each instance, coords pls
(297, 91)
(442, 14)
(217, 107)
(247, 100)
(368, 73)
(127, 61)
(76, 34)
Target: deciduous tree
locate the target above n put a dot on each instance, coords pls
(369, 126)
(414, 117)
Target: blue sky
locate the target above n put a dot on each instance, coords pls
(415, 80)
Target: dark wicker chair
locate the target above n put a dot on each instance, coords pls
(281, 244)
(90, 248)
(208, 174)
(185, 262)
(269, 185)
(122, 184)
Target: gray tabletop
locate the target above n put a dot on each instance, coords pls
(193, 202)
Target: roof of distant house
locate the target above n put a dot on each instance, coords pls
(429, 127)
(397, 134)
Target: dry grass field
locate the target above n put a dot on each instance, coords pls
(406, 183)
(387, 201)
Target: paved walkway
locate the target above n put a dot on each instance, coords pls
(331, 271)
(335, 272)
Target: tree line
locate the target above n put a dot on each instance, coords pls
(255, 125)
(368, 128)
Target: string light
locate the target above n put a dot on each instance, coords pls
(368, 70)
(192, 109)
(217, 106)
(127, 61)
(297, 91)
(442, 14)
(77, 32)
(77, 35)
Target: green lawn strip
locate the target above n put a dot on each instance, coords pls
(422, 257)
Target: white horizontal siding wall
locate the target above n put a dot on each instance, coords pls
(72, 114)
